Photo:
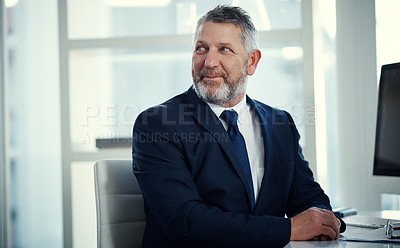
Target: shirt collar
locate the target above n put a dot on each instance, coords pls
(239, 108)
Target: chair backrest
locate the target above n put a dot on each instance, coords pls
(119, 205)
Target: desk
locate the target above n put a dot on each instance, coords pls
(351, 231)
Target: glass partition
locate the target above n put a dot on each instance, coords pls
(110, 87)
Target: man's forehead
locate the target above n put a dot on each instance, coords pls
(226, 31)
(221, 24)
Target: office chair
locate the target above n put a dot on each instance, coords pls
(119, 205)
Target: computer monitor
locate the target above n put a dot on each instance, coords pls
(387, 140)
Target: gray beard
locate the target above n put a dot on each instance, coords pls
(224, 94)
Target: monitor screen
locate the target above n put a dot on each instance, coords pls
(387, 143)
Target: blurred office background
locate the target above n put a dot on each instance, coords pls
(76, 73)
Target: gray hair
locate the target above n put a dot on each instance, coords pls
(236, 16)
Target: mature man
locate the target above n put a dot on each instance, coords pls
(219, 169)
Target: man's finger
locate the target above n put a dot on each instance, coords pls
(328, 231)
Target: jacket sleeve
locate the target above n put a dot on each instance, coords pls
(305, 192)
(170, 193)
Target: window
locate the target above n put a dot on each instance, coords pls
(91, 19)
(117, 58)
(122, 57)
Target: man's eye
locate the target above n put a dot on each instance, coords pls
(225, 49)
(200, 49)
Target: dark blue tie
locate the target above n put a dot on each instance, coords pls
(230, 117)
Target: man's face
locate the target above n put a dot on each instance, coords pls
(219, 64)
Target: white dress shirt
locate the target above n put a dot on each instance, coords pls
(248, 125)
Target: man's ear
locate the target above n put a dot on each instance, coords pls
(253, 60)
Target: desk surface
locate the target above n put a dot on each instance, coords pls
(351, 231)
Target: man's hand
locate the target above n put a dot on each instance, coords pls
(315, 224)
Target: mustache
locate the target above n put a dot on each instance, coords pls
(211, 73)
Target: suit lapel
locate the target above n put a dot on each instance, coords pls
(208, 120)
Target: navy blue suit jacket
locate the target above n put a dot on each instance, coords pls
(195, 190)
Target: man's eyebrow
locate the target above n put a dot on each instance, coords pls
(225, 44)
(200, 42)
(219, 44)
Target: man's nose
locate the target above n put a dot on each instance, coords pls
(212, 59)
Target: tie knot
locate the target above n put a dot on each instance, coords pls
(230, 117)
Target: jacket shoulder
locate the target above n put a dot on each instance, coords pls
(273, 113)
(167, 113)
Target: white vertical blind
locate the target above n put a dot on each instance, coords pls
(4, 216)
